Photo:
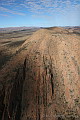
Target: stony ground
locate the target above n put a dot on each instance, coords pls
(42, 81)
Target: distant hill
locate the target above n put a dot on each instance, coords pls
(67, 29)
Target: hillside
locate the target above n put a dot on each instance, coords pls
(41, 80)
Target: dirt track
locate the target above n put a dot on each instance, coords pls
(51, 77)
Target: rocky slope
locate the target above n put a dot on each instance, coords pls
(46, 84)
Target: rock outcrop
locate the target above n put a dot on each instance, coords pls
(47, 86)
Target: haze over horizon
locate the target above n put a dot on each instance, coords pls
(41, 13)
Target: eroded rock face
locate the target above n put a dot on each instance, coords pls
(12, 101)
(47, 86)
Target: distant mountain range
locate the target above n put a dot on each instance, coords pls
(24, 28)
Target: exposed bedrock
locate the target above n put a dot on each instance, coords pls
(47, 86)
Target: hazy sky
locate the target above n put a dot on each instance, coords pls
(39, 13)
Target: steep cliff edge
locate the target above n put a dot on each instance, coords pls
(10, 103)
(47, 85)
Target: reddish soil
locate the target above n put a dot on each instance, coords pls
(46, 84)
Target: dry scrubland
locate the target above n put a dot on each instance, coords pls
(40, 74)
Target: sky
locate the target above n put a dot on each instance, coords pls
(39, 13)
